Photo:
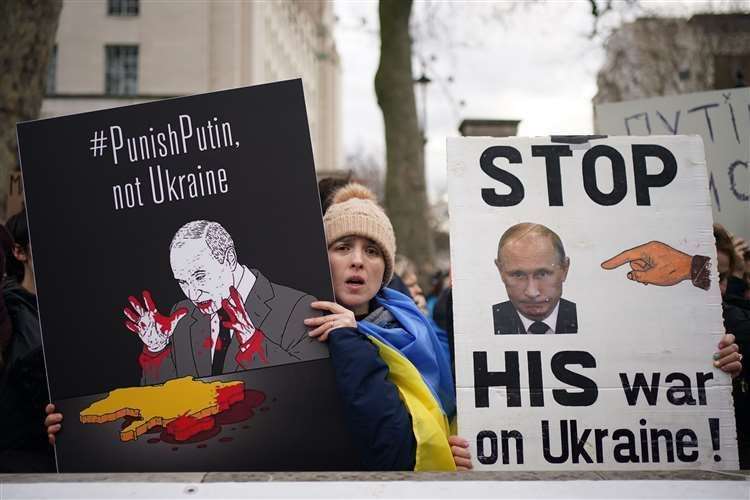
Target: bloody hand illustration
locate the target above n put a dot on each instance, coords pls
(654, 263)
(239, 321)
(152, 327)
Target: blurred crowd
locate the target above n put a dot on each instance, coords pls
(23, 382)
(733, 256)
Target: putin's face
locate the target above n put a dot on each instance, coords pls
(533, 274)
(203, 279)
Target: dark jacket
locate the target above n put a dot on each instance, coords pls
(737, 322)
(378, 421)
(23, 389)
(507, 320)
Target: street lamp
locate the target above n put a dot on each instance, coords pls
(422, 83)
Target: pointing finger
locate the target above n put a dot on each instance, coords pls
(622, 257)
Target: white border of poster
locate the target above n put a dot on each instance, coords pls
(633, 386)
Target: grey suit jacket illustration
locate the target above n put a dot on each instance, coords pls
(277, 310)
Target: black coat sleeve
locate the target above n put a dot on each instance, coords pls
(377, 418)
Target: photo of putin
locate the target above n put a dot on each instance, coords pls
(533, 266)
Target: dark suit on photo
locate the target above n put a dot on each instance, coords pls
(508, 322)
(278, 311)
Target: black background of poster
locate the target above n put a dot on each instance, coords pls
(89, 257)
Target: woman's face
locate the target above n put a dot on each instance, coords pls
(357, 267)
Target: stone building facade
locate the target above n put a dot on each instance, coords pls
(116, 52)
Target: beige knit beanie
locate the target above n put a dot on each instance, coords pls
(354, 211)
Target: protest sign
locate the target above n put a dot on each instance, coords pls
(721, 118)
(177, 248)
(564, 359)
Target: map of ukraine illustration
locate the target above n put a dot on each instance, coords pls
(184, 406)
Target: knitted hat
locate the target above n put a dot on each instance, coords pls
(354, 211)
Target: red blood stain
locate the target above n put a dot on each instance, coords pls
(151, 362)
(240, 406)
(225, 439)
(219, 344)
(207, 342)
(227, 396)
(253, 346)
(243, 410)
(184, 427)
(197, 438)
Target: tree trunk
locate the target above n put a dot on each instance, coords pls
(405, 193)
(27, 35)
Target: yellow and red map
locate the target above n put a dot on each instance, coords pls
(183, 406)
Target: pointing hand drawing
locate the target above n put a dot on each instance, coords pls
(152, 327)
(657, 263)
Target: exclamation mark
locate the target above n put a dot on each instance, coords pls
(713, 423)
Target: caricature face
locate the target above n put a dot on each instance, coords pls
(533, 274)
(203, 279)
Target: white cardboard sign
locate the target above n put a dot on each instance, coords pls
(622, 375)
(721, 118)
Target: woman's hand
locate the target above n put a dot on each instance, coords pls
(728, 359)
(52, 422)
(461, 454)
(338, 317)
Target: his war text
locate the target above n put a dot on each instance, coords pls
(567, 441)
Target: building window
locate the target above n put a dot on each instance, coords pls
(122, 70)
(122, 7)
(50, 86)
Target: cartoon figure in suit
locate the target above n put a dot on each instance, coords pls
(233, 317)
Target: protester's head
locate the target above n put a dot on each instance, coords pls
(19, 259)
(327, 186)
(361, 246)
(203, 258)
(725, 256)
(437, 283)
(533, 266)
(406, 269)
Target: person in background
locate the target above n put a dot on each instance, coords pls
(437, 283)
(736, 312)
(405, 268)
(23, 384)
